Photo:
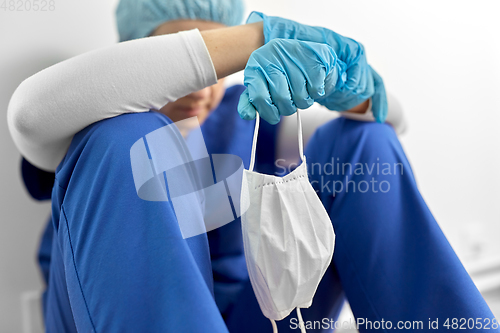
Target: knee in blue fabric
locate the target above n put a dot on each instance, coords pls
(393, 260)
(371, 163)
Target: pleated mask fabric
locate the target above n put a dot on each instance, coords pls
(288, 237)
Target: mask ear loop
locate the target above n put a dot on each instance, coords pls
(256, 134)
(301, 141)
(250, 168)
(254, 143)
(275, 328)
(301, 322)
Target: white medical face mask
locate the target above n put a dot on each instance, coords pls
(288, 237)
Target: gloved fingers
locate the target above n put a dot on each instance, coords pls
(305, 68)
(298, 86)
(315, 81)
(255, 17)
(354, 73)
(365, 88)
(300, 96)
(280, 93)
(315, 84)
(323, 79)
(369, 87)
(258, 92)
(245, 108)
(364, 84)
(379, 99)
(336, 79)
(330, 83)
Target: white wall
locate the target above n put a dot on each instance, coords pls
(442, 60)
(29, 42)
(439, 58)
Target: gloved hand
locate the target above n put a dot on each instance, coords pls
(361, 77)
(287, 74)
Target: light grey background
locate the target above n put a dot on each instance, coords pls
(441, 59)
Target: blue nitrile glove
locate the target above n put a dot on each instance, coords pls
(360, 83)
(287, 74)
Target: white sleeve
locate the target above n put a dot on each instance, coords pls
(317, 115)
(48, 108)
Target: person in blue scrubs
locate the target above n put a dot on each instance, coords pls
(118, 263)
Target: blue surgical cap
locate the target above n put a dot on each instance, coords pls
(139, 18)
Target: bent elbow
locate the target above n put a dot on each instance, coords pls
(17, 112)
(29, 120)
(21, 117)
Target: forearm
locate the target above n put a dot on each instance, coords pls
(230, 48)
(48, 108)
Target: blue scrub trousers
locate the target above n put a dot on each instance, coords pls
(119, 263)
(391, 261)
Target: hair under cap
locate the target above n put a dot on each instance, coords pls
(139, 18)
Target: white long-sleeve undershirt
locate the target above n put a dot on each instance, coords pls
(287, 151)
(48, 108)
